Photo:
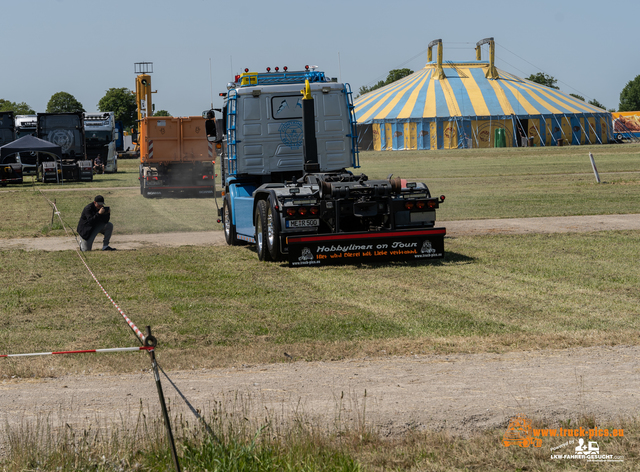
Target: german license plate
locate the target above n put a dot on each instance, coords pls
(302, 223)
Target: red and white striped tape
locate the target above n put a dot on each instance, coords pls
(150, 149)
(210, 150)
(126, 318)
(129, 322)
(113, 349)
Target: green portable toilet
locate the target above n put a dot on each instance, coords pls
(499, 138)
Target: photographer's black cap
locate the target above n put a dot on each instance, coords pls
(99, 199)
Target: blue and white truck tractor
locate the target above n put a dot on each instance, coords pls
(285, 155)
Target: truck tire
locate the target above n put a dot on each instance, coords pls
(260, 223)
(273, 231)
(229, 228)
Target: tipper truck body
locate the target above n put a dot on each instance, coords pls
(175, 158)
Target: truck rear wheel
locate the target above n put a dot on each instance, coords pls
(273, 231)
(229, 228)
(260, 223)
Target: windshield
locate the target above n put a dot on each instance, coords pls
(60, 122)
(26, 132)
(96, 137)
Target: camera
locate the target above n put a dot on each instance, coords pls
(106, 209)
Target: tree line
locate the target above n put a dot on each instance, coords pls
(121, 101)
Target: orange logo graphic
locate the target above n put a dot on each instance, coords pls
(520, 432)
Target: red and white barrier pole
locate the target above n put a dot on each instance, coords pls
(85, 351)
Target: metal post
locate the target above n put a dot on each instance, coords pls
(151, 341)
(593, 165)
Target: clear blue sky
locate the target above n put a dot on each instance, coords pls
(85, 47)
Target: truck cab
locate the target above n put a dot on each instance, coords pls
(100, 139)
(67, 131)
(27, 125)
(286, 155)
(11, 170)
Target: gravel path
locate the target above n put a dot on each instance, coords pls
(459, 393)
(562, 224)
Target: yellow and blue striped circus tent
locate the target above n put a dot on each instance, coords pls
(449, 105)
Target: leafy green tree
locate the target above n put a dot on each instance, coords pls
(63, 102)
(162, 113)
(630, 96)
(364, 89)
(17, 108)
(394, 74)
(397, 74)
(122, 102)
(596, 103)
(543, 79)
(575, 95)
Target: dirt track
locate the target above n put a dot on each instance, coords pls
(460, 393)
(454, 228)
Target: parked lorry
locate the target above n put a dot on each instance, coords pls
(67, 131)
(27, 125)
(287, 188)
(125, 147)
(175, 157)
(100, 139)
(10, 171)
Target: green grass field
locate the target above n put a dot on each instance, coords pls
(216, 306)
(490, 292)
(495, 183)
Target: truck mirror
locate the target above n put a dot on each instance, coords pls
(210, 128)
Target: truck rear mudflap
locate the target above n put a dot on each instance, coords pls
(356, 248)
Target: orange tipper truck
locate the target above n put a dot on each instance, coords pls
(175, 157)
(288, 139)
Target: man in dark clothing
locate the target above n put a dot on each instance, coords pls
(98, 166)
(95, 219)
